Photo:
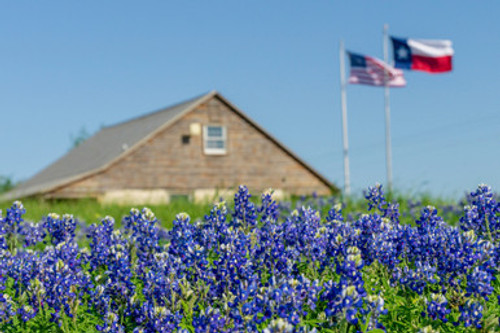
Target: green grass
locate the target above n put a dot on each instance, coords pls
(91, 211)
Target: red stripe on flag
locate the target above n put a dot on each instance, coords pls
(431, 64)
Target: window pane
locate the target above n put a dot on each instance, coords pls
(214, 131)
(215, 144)
(215, 140)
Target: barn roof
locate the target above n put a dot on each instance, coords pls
(113, 142)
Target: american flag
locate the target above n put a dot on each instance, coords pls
(374, 72)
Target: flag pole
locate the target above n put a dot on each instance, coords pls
(345, 143)
(388, 153)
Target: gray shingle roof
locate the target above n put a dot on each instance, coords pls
(101, 149)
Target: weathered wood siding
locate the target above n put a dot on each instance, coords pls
(165, 162)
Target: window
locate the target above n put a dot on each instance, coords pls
(214, 138)
(185, 139)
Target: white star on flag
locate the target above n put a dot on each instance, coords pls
(402, 53)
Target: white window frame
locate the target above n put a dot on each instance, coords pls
(214, 151)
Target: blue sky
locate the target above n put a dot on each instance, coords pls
(69, 65)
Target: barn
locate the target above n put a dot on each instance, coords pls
(199, 149)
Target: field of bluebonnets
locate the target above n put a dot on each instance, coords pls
(257, 266)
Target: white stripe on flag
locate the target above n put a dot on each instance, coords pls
(431, 47)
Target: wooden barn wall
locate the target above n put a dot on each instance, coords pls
(165, 162)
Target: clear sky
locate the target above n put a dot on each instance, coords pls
(68, 65)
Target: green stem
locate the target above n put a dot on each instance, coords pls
(65, 324)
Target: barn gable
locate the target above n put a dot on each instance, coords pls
(165, 151)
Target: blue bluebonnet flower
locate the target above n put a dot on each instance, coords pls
(143, 230)
(376, 199)
(63, 279)
(428, 219)
(33, 233)
(437, 307)
(110, 259)
(100, 242)
(26, 312)
(268, 210)
(11, 221)
(242, 269)
(471, 314)
(335, 214)
(159, 319)
(209, 320)
(7, 308)
(60, 229)
(479, 283)
(111, 324)
(418, 278)
(483, 214)
(345, 298)
(375, 304)
(245, 214)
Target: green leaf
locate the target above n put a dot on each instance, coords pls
(364, 326)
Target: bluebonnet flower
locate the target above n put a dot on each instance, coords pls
(63, 279)
(182, 240)
(483, 214)
(376, 199)
(144, 235)
(416, 279)
(241, 270)
(7, 311)
(437, 307)
(5, 257)
(60, 229)
(159, 319)
(33, 233)
(345, 298)
(245, 214)
(335, 214)
(100, 242)
(111, 324)
(110, 259)
(375, 304)
(471, 314)
(345, 303)
(385, 244)
(428, 219)
(9, 226)
(26, 312)
(479, 283)
(209, 320)
(268, 209)
(14, 216)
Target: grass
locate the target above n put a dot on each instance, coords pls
(90, 211)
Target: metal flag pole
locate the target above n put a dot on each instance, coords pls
(388, 153)
(347, 183)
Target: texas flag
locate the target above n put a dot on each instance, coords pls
(428, 55)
